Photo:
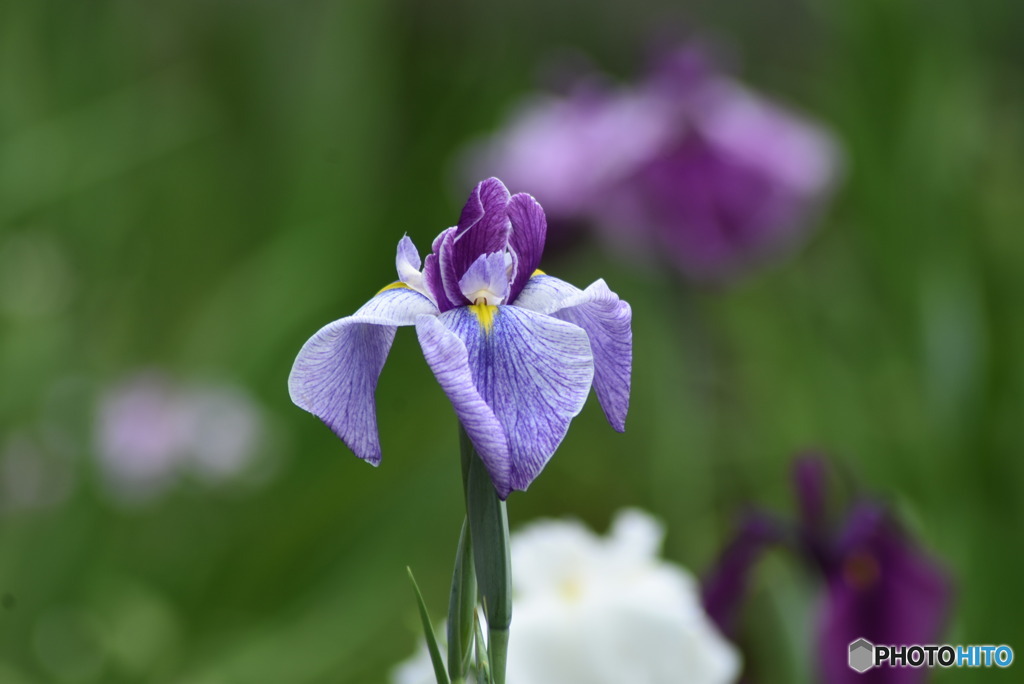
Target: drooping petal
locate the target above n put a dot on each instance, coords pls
(483, 227)
(529, 229)
(334, 377)
(448, 357)
(607, 321)
(531, 372)
(486, 279)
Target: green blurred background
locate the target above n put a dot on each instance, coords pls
(196, 186)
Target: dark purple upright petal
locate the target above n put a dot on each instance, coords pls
(883, 589)
(334, 376)
(725, 586)
(449, 274)
(529, 230)
(809, 479)
(483, 227)
(435, 283)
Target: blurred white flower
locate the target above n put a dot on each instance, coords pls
(602, 610)
(150, 430)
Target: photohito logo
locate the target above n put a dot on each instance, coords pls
(862, 655)
(865, 655)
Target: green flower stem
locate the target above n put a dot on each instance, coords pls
(488, 527)
(461, 607)
(497, 646)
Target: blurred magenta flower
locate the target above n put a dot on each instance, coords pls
(150, 429)
(515, 350)
(877, 583)
(687, 165)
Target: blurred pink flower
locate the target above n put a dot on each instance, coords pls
(687, 165)
(149, 430)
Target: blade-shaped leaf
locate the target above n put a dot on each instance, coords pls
(461, 606)
(435, 652)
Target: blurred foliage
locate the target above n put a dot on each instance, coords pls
(198, 185)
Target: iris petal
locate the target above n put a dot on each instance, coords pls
(483, 227)
(528, 372)
(448, 357)
(607, 321)
(448, 273)
(334, 377)
(434, 283)
(486, 278)
(529, 230)
(884, 589)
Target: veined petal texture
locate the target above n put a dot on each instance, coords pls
(608, 323)
(530, 372)
(335, 375)
(484, 225)
(448, 357)
(529, 230)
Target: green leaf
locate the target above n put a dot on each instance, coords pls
(461, 608)
(435, 652)
(488, 527)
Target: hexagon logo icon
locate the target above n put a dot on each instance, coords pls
(862, 655)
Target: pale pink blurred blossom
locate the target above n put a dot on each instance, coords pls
(150, 430)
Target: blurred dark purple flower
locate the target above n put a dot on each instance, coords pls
(877, 583)
(725, 587)
(882, 588)
(687, 165)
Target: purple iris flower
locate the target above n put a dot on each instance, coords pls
(877, 584)
(515, 350)
(687, 165)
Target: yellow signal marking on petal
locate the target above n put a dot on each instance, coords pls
(393, 286)
(485, 314)
(538, 272)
